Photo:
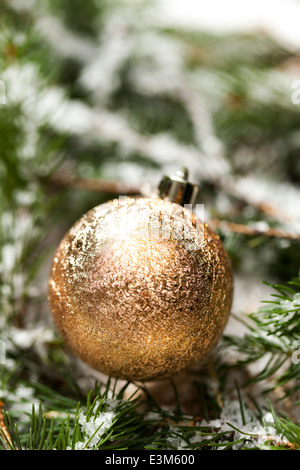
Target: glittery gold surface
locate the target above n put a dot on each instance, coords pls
(140, 288)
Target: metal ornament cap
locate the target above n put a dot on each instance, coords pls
(138, 294)
(178, 189)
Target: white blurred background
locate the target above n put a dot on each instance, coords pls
(278, 18)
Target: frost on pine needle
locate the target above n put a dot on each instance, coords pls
(94, 428)
(292, 304)
(237, 427)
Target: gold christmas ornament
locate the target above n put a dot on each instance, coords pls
(141, 288)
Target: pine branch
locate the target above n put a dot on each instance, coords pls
(273, 332)
(112, 423)
(288, 429)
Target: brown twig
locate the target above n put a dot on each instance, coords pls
(94, 184)
(3, 429)
(252, 231)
